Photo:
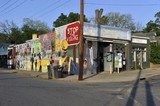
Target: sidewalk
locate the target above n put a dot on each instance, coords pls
(101, 77)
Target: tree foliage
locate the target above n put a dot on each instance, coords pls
(120, 20)
(16, 36)
(116, 19)
(10, 32)
(64, 19)
(154, 54)
(6, 27)
(3, 38)
(61, 20)
(154, 25)
(31, 26)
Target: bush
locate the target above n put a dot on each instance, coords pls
(155, 54)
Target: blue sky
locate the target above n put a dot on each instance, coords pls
(48, 10)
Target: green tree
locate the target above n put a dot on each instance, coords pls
(151, 26)
(72, 17)
(154, 25)
(31, 26)
(64, 19)
(3, 38)
(16, 36)
(104, 20)
(154, 54)
(61, 20)
(10, 32)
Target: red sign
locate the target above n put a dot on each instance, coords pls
(72, 33)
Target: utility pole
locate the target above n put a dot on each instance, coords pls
(81, 45)
(98, 15)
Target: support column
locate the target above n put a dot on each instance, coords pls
(148, 53)
(128, 50)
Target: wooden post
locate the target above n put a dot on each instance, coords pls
(81, 44)
(74, 54)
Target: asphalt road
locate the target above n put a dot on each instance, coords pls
(27, 91)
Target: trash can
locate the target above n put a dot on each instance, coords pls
(49, 71)
(58, 72)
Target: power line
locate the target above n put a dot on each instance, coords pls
(5, 4)
(9, 6)
(54, 9)
(123, 4)
(46, 7)
(13, 8)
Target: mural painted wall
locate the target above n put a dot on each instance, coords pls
(47, 44)
(66, 36)
(49, 48)
(21, 57)
(34, 54)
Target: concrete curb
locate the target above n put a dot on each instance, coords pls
(101, 77)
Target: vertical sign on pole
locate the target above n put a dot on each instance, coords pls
(73, 37)
(72, 33)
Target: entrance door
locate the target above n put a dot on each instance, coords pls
(101, 55)
(138, 59)
(100, 62)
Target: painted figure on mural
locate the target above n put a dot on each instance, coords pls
(40, 61)
(32, 61)
(90, 56)
(64, 61)
(53, 61)
(85, 66)
(35, 65)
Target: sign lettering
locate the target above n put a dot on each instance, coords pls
(72, 33)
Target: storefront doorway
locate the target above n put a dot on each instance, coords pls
(139, 58)
(103, 49)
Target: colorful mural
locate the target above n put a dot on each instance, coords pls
(29, 56)
(47, 48)
(47, 45)
(61, 47)
(50, 48)
(21, 56)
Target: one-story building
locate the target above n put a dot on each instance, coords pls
(114, 48)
